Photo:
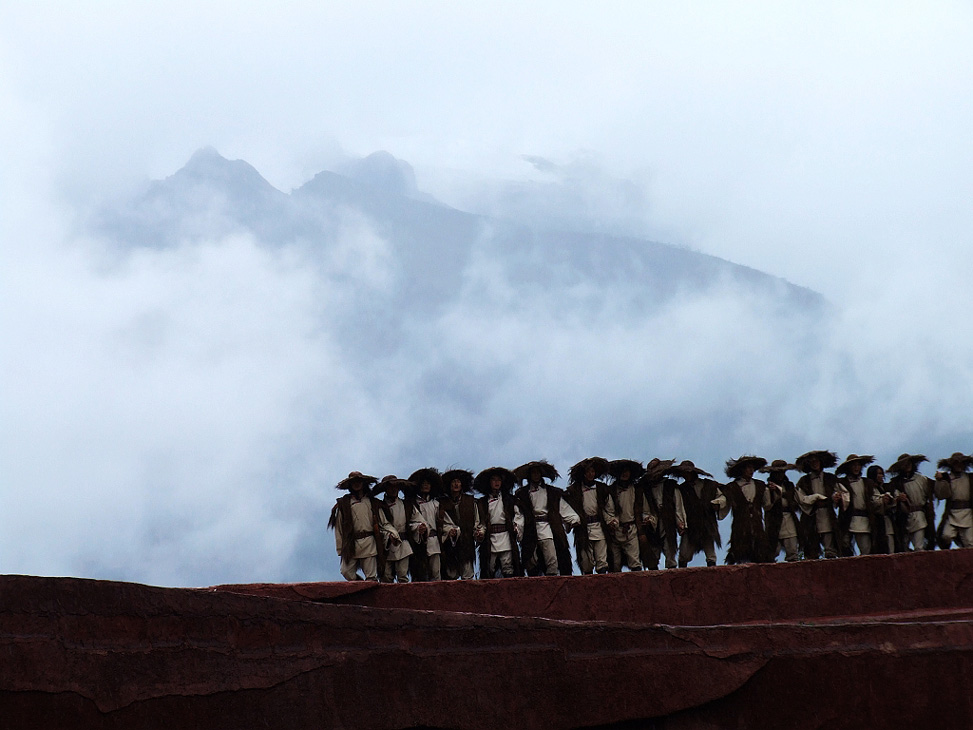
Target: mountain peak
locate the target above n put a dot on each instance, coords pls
(383, 171)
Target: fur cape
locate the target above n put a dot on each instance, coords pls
(876, 518)
(701, 523)
(748, 534)
(529, 548)
(774, 516)
(463, 513)
(574, 496)
(341, 520)
(809, 522)
(486, 548)
(665, 517)
(897, 485)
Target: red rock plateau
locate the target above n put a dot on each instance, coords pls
(883, 641)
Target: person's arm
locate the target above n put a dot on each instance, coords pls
(721, 505)
(568, 515)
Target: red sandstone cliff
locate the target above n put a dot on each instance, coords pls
(884, 641)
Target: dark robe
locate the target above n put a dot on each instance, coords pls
(486, 549)
(463, 514)
(748, 534)
(529, 552)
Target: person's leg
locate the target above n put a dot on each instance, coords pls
(349, 569)
(600, 549)
(828, 543)
(549, 556)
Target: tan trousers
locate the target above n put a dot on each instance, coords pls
(396, 570)
(369, 566)
(594, 557)
(626, 553)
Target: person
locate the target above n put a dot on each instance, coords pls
(666, 514)
(630, 515)
(860, 506)
(698, 490)
(398, 554)
(953, 486)
(913, 495)
(360, 528)
(424, 524)
(503, 521)
(884, 539)
(588, 497)
(782, 519)
(747, 498)
(817, 495)
(459, 524)
(547, 518)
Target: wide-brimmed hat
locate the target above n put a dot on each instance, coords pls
(777, 465)
(465, 477)
(547, 470)
(392, 482)
(576, 472)
(618, 466)
(735, 466)
(956, 462)
(827, 459)
(429, 474)
(685, 467)
(854, 459)
(356, 477)
(900, 463)
(482, 481)
(658, 467)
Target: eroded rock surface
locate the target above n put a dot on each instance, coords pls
(865, 642)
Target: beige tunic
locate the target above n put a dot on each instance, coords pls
(824, 519)
(788, 525)
(403, 549)
(855, 499)
(361, 521)
(449, 525)
(538, 499)
(918, 489)
(500, 541)
(427, 510)
(680, 508)
(589, 496)
(958, 487)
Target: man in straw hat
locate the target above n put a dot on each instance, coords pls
(913, 494)
(360, 528)
(748, 498)
(702, 534)
(817, 494)
(953, 485)
(504, 522)
(667, 514)
(859, 510)
(630, 514)
(589, 498)
(783, 526)
(460, 527)
(884, 539)
(397, 554)
(547, 518)
(424, 524)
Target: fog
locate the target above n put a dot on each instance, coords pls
(177, 410)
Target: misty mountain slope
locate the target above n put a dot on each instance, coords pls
(427, 247)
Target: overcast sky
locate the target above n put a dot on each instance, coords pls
(828, 144)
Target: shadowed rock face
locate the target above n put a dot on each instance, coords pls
(863, 642)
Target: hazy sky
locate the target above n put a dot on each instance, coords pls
(828, 144)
